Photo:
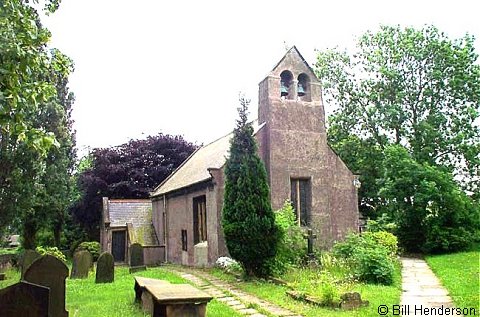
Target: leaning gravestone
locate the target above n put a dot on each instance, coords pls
(82, 261)
(105, 268)
(24, 299)
(136, 258)
(50, 272)
(27, 258)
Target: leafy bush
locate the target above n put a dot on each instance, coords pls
(54, 251)
(374, 265)
(386, 239)
(93, 247)
(291, 248)
(371, 256)
(382, 223)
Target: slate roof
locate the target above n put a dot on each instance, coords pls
(137, 212)
(195, 168)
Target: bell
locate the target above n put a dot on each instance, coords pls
(301, 90)
(283, 90)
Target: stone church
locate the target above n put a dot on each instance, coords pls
(301, 167)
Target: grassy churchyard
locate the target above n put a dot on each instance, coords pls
(459, 273)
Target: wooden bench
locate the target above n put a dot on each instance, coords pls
(162, 299)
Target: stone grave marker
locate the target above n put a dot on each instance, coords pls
(136, 258)
(351, 301)
(27, 258)
(82, 261)
(105, 268)
(50, 272)
(24, 299)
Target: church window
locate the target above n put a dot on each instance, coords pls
(303, 87)
(286, 78)
(184, 240)
(300, 197)
(199, 219)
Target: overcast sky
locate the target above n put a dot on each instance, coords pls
(176, 67)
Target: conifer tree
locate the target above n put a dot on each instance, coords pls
(248, 220)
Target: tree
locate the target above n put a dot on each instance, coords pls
(248, 220)
(131, 170)
(414, 88)
(27, 92)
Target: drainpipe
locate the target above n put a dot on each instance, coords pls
(165, 236)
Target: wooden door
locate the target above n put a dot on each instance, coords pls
(118, 245)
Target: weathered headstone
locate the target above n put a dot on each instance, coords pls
(27, 258)
(82, 261)
(50, 272)
(136, 258)
(351, 301)
(24, 299)
(105, 268)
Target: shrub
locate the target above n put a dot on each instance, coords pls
(291, 248)
(374, 265)
(371, 256)
(386, 239)
(93, 247)
(54, 251)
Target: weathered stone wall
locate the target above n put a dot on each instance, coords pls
(179, 216)
(293, 144)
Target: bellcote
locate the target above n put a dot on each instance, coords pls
(292, 79)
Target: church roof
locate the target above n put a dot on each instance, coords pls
(195, 168)
(294, 50)
(138, 213)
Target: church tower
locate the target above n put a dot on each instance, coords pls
(293, 145)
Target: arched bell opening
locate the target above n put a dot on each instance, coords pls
(286, 89)
(303, 87)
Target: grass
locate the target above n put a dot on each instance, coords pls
(459, 273)
(307, 280)
(84, 298)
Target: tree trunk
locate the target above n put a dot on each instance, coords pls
(29, 234)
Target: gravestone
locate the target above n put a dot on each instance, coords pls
(82, 261)
(24, 299)
(310, 236)
(105, 268)
(136, 258)
(50, 272)
(27, 258)
(351, 301)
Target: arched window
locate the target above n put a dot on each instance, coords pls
(303, 87)
(286, 79)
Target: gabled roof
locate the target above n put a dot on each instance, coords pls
(294, 50)
(195, 168)
(138, 213)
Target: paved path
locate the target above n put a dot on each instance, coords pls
(230, 295)
(421, 289)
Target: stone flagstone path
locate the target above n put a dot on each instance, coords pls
(229, 294)
(421, 289)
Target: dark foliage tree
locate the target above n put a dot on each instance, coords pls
(413, 88)
(131, 170)
(248, 220)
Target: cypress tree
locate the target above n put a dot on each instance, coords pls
(248, 220)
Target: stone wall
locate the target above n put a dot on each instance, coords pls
(293, 144)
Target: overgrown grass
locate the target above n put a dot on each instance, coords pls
(87, 299)
(309, 280)
(459, 273)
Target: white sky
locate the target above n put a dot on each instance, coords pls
(176, 67)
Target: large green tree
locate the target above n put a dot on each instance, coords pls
(413, 88)
(248, 220)
(29, 97)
